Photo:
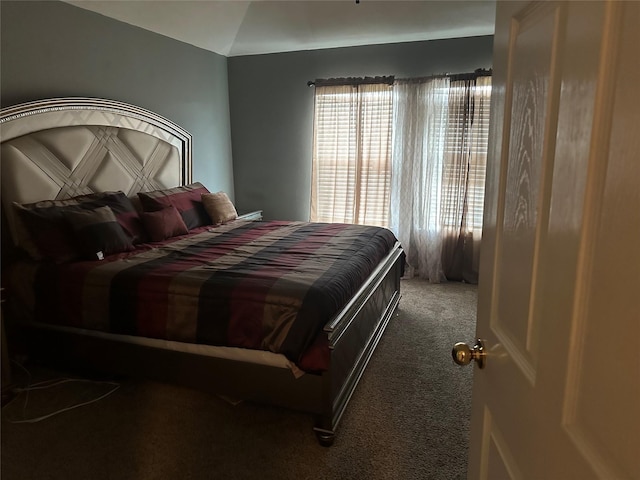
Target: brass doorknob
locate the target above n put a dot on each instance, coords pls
(463, 354)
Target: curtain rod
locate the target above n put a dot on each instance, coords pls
(324, 82)
(479, 72)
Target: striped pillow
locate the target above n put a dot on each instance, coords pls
(98, 232)
(126, 214)
(186, 199)
(47, 236)
(43, 233)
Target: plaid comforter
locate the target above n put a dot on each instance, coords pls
(258, 285)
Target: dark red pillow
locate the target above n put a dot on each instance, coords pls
(186, 199)
(163, 224)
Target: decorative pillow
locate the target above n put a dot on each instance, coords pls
(163, 224)
(48, 236)
(219, 207)
(124, 210)
(98, 232)
(185, 199)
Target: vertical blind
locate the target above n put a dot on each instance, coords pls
(351, 169)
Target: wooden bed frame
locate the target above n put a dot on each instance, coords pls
(352, 335)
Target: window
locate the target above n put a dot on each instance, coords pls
(352, 154)
(353, 127)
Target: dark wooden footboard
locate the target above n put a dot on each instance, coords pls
(353, 336)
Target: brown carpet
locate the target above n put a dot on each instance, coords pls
(408, 419)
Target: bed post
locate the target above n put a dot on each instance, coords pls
(324, 429)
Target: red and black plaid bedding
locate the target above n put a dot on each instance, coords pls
(258, 285)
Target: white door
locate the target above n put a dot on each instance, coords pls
(559, 288)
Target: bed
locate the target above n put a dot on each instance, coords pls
(164, 281)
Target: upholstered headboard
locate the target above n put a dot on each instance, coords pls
(63, 147)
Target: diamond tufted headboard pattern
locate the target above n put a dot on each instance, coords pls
(59, 148)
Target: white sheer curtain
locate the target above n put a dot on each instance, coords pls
(420, 121)
(439, 160)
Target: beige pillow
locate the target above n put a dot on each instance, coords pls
(219, 207)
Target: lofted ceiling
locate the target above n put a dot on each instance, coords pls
(233, 28)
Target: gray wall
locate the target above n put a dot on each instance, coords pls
(53, 49)
(272, 110)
